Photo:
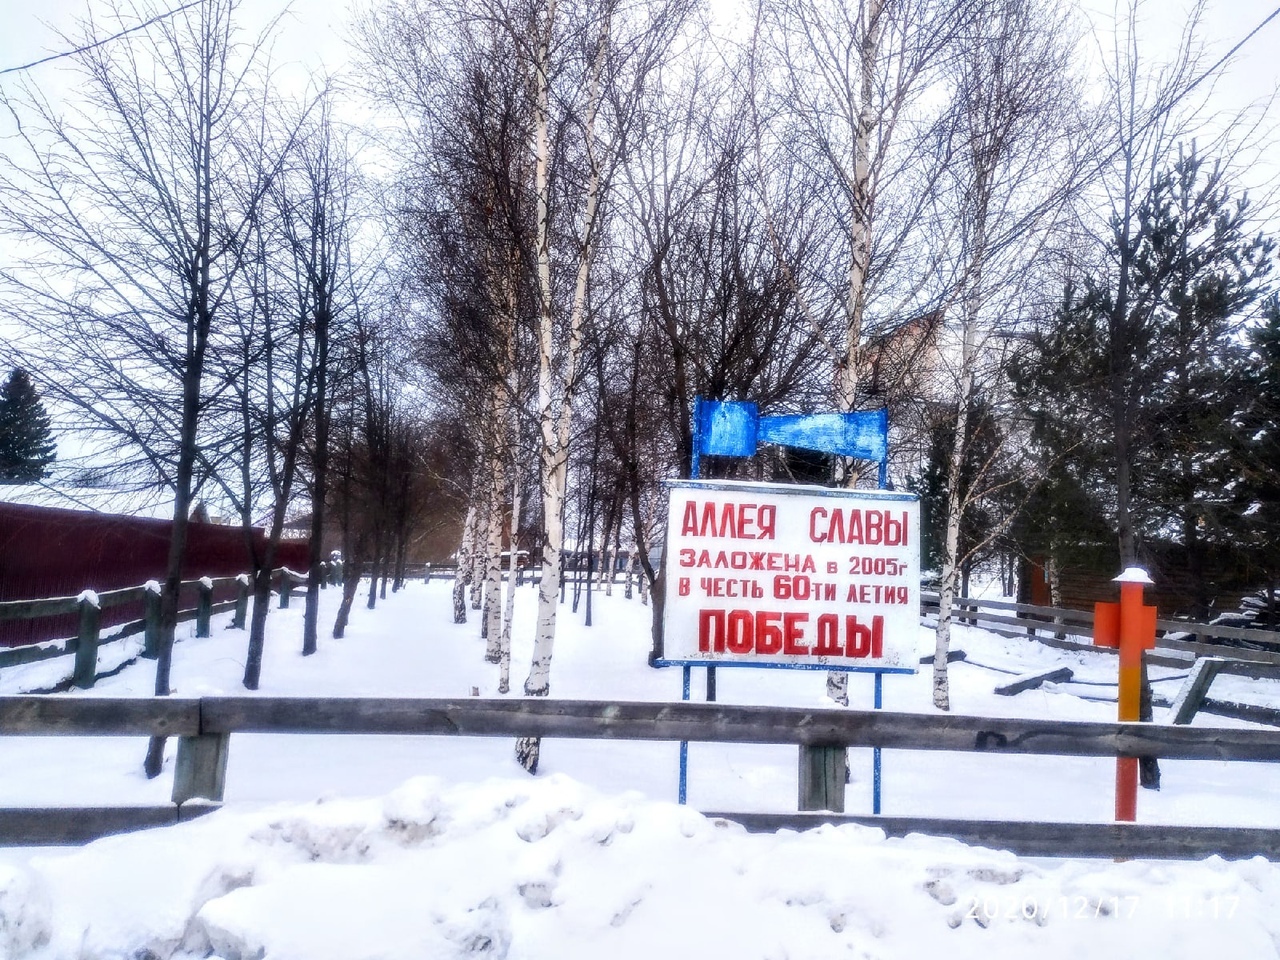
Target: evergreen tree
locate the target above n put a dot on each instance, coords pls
(1255, 449)
(26, 440)
(1205, 273)
(1195, 273)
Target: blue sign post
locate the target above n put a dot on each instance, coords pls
(735, 429)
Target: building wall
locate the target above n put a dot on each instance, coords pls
(48, 552)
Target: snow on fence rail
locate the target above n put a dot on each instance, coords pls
(204, 727)
(1052, 625)
(89, 606)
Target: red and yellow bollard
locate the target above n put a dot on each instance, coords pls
(1129, 625)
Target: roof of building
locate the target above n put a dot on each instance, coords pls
(152, 502)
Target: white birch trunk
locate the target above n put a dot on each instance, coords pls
(504, 277)
(633, 564)
(551, 461)
(504, 647)
(1053, 574)
(461, 574)
(479, 536)
(955, 496)
(950, 569)
(556, 409)
(859, 260)
(493, 558)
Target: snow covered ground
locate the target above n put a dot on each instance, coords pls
(385, 847)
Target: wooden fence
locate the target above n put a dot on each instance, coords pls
(1054, 625)
(52, 552)
(204, 727)
(89, 607)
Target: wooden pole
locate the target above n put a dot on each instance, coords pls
(201, 767)
(151, 632)
(823, 771)
(86, 668)
(242, 603)
(204, 607)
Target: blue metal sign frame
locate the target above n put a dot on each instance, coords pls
(735, 429)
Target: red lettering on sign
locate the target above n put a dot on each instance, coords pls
(741, 631)
(793, 633)
(711, 631)
(864, 641)
(828, 636)
(768, 632)
(744, 521)
(872, 527)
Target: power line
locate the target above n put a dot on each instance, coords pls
(89, 46)
(1229, 54)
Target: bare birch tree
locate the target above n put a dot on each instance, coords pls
(1019, 152)
(852, 107)
(134, 204)
(458, 77)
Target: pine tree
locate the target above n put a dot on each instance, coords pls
(26, 439)
(1196, 271)
(1255, 490)
(1207, 272)
(1137, 373)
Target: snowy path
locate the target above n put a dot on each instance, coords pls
(475, 859)
(409, 647)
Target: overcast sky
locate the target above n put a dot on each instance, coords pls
(312, 36)
(314, 29)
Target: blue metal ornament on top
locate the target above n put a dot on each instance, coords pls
(730, 428)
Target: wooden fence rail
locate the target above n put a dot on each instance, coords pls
(204, 727)
(88, 605)
(1051, 625)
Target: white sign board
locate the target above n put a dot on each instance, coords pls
(762, 574)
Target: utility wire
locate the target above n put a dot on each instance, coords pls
(1229, 54)
(141, 26)
(1205, 75)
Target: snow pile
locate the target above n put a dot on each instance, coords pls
(551, 869)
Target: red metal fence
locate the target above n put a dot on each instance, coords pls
(47, 552)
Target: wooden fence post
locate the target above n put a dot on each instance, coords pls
(323, 578)
(1196, 687)
(823, 771)
(151, 615)
(286, 588)
(201, 768)
(242, 602)
(204, 607)
(86, 668)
